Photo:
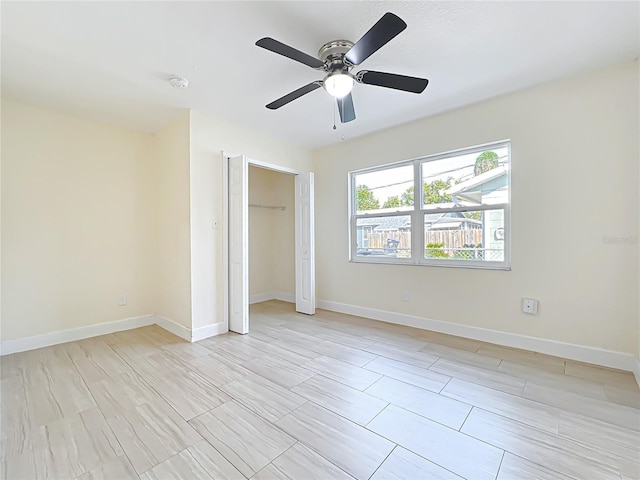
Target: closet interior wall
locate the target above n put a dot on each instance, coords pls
(271, 235)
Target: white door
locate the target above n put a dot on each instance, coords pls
(239, 244)
(305, 245)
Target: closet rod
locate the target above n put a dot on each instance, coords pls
(267, 206)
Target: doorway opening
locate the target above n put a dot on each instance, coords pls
(271, 235)
(278, 203)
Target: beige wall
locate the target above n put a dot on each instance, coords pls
(271, 232)
(171, 166)
(209, 138)
(77, 209)
(574, 181)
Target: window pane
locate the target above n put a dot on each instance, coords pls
(477, 236)
(472, 179)
(384, 237)
(390, 189)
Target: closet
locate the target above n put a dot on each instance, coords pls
(271, 235)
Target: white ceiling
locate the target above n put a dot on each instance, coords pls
(110, 61)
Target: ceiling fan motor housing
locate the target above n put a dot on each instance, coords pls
(332, 54)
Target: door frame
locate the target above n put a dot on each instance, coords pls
(225, 218)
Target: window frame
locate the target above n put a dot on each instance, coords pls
(418, 211)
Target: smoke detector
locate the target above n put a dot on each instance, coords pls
(178, 82)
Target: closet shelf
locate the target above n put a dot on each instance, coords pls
(270, 207)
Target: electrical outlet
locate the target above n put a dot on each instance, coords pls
(530, 306)
(405, 296)
(122, 300)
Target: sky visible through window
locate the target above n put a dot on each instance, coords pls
(394, 181)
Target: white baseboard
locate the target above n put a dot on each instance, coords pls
(636, 370)
(207, 331)
(581, 353)
(173, 327)
(266, 296)
(54, 338)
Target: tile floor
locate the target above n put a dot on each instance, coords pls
(324, 397)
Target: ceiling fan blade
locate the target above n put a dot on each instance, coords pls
(293, 95)
(345, 107)
(382, 32)
(392, 80)
(280, 48)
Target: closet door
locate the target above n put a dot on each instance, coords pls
(239, 244)
(305, 245)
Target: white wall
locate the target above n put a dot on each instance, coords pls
(574, 181)
(209, 137)
(78, 202)
(171, 164)
(271, 232)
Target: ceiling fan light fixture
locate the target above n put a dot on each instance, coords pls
(338, 84)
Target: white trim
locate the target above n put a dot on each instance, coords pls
(273, 166)
(54, 338)
(266, 296)
(173, 327)
(225, 239)
(636, 370)
(207, 331)
(63, 336)
(581, 353)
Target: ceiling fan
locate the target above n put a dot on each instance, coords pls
(338, 57)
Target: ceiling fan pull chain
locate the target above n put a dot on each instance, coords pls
(334, 118)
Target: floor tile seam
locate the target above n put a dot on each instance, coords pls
(309, 400)
(102, 414)
(339, 346)
(202, 466)
(217, 450)
(406, 447)
(213, 446)
(417, 374)
(490, 371)
(271, 390)
(453, 430)
(624, 430)
(504, 453)
(447, 397)
(580, 380)
(395, 445)
(477, 382)
(557, 435)
(425, 417)
(310, 448)
(279, 455)
(342, 381)
(200, 377)
(23, 388)
(544, 467)
(500, 393)
(287, 371)
(239, 401)
(155, 459)
(323, 375)
(27, 428)
(331, 412)
(624, 408)
(567, 415)
(161, 398)
(161, 462)
(605, 452)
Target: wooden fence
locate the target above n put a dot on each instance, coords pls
(450, 238)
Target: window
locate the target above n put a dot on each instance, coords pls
(461, 218)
